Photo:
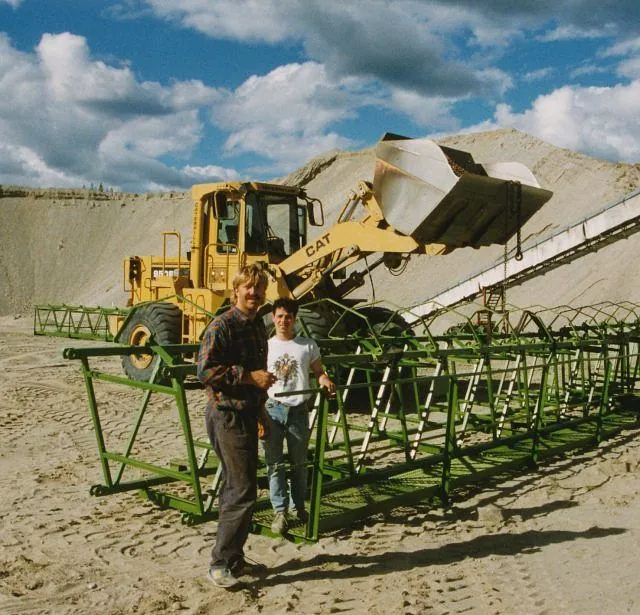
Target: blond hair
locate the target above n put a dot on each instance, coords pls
(253, 274)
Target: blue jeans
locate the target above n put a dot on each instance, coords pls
(290, 423)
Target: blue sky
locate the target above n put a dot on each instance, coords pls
(144, 95)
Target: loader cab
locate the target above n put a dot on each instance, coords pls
(241, 223)
(258, 223)
(275, 225)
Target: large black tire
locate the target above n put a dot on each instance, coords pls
(160, 320)
(311, 324)
(383, 323)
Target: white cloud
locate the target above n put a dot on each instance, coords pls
(21, 81)
(242, 20)
(74, 120)
(598, 121)
(409, 53)
(18, 164)
(573, 32)
(629, 50)
(63, 110)
(561, 19)
(191, 94)
(401, 44)
(433, 111)
(154, 136)
(588, 69)
(211, 172)
(390, 43)
(406, 44)
(68, 117)
(536, 75)
(73, 77)
(285, 115)
(495, 81)
(623, 48)
(13, 3)
(629, 68)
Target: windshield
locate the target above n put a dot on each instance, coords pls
(275, 224)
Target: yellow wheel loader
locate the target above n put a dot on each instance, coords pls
(425, 199)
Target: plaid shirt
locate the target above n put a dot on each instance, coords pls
(231, 344)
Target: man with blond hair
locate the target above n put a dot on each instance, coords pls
(232, 365)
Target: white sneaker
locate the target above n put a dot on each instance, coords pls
(222, 577)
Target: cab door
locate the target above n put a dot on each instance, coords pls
(223, 252)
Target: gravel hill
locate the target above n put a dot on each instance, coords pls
(68, 246)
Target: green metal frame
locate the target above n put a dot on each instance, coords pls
(92, 323)
(78, 322)
(441, 409)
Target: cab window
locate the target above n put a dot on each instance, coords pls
(256, 235)
(228, 224)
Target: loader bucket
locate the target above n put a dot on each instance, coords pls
(441, 195)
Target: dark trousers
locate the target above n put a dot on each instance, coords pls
(234, 437)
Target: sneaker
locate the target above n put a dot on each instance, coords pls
(279, 523)
(222, 577)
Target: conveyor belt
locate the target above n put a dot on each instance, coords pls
(617, 221)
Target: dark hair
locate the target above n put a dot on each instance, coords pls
(287, 304)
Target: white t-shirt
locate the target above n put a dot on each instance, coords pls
(290, 361)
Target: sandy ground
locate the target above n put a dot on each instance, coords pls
(563, 540)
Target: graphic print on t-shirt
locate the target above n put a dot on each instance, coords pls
(286, 367)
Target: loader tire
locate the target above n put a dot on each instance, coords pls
(160, 320)
(387, 323)
(315, 324)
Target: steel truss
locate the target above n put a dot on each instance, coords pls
(415, 416)
(79, 322)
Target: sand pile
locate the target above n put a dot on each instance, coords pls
(68, 246)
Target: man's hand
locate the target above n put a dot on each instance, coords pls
(259, 378)
(327, 383)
